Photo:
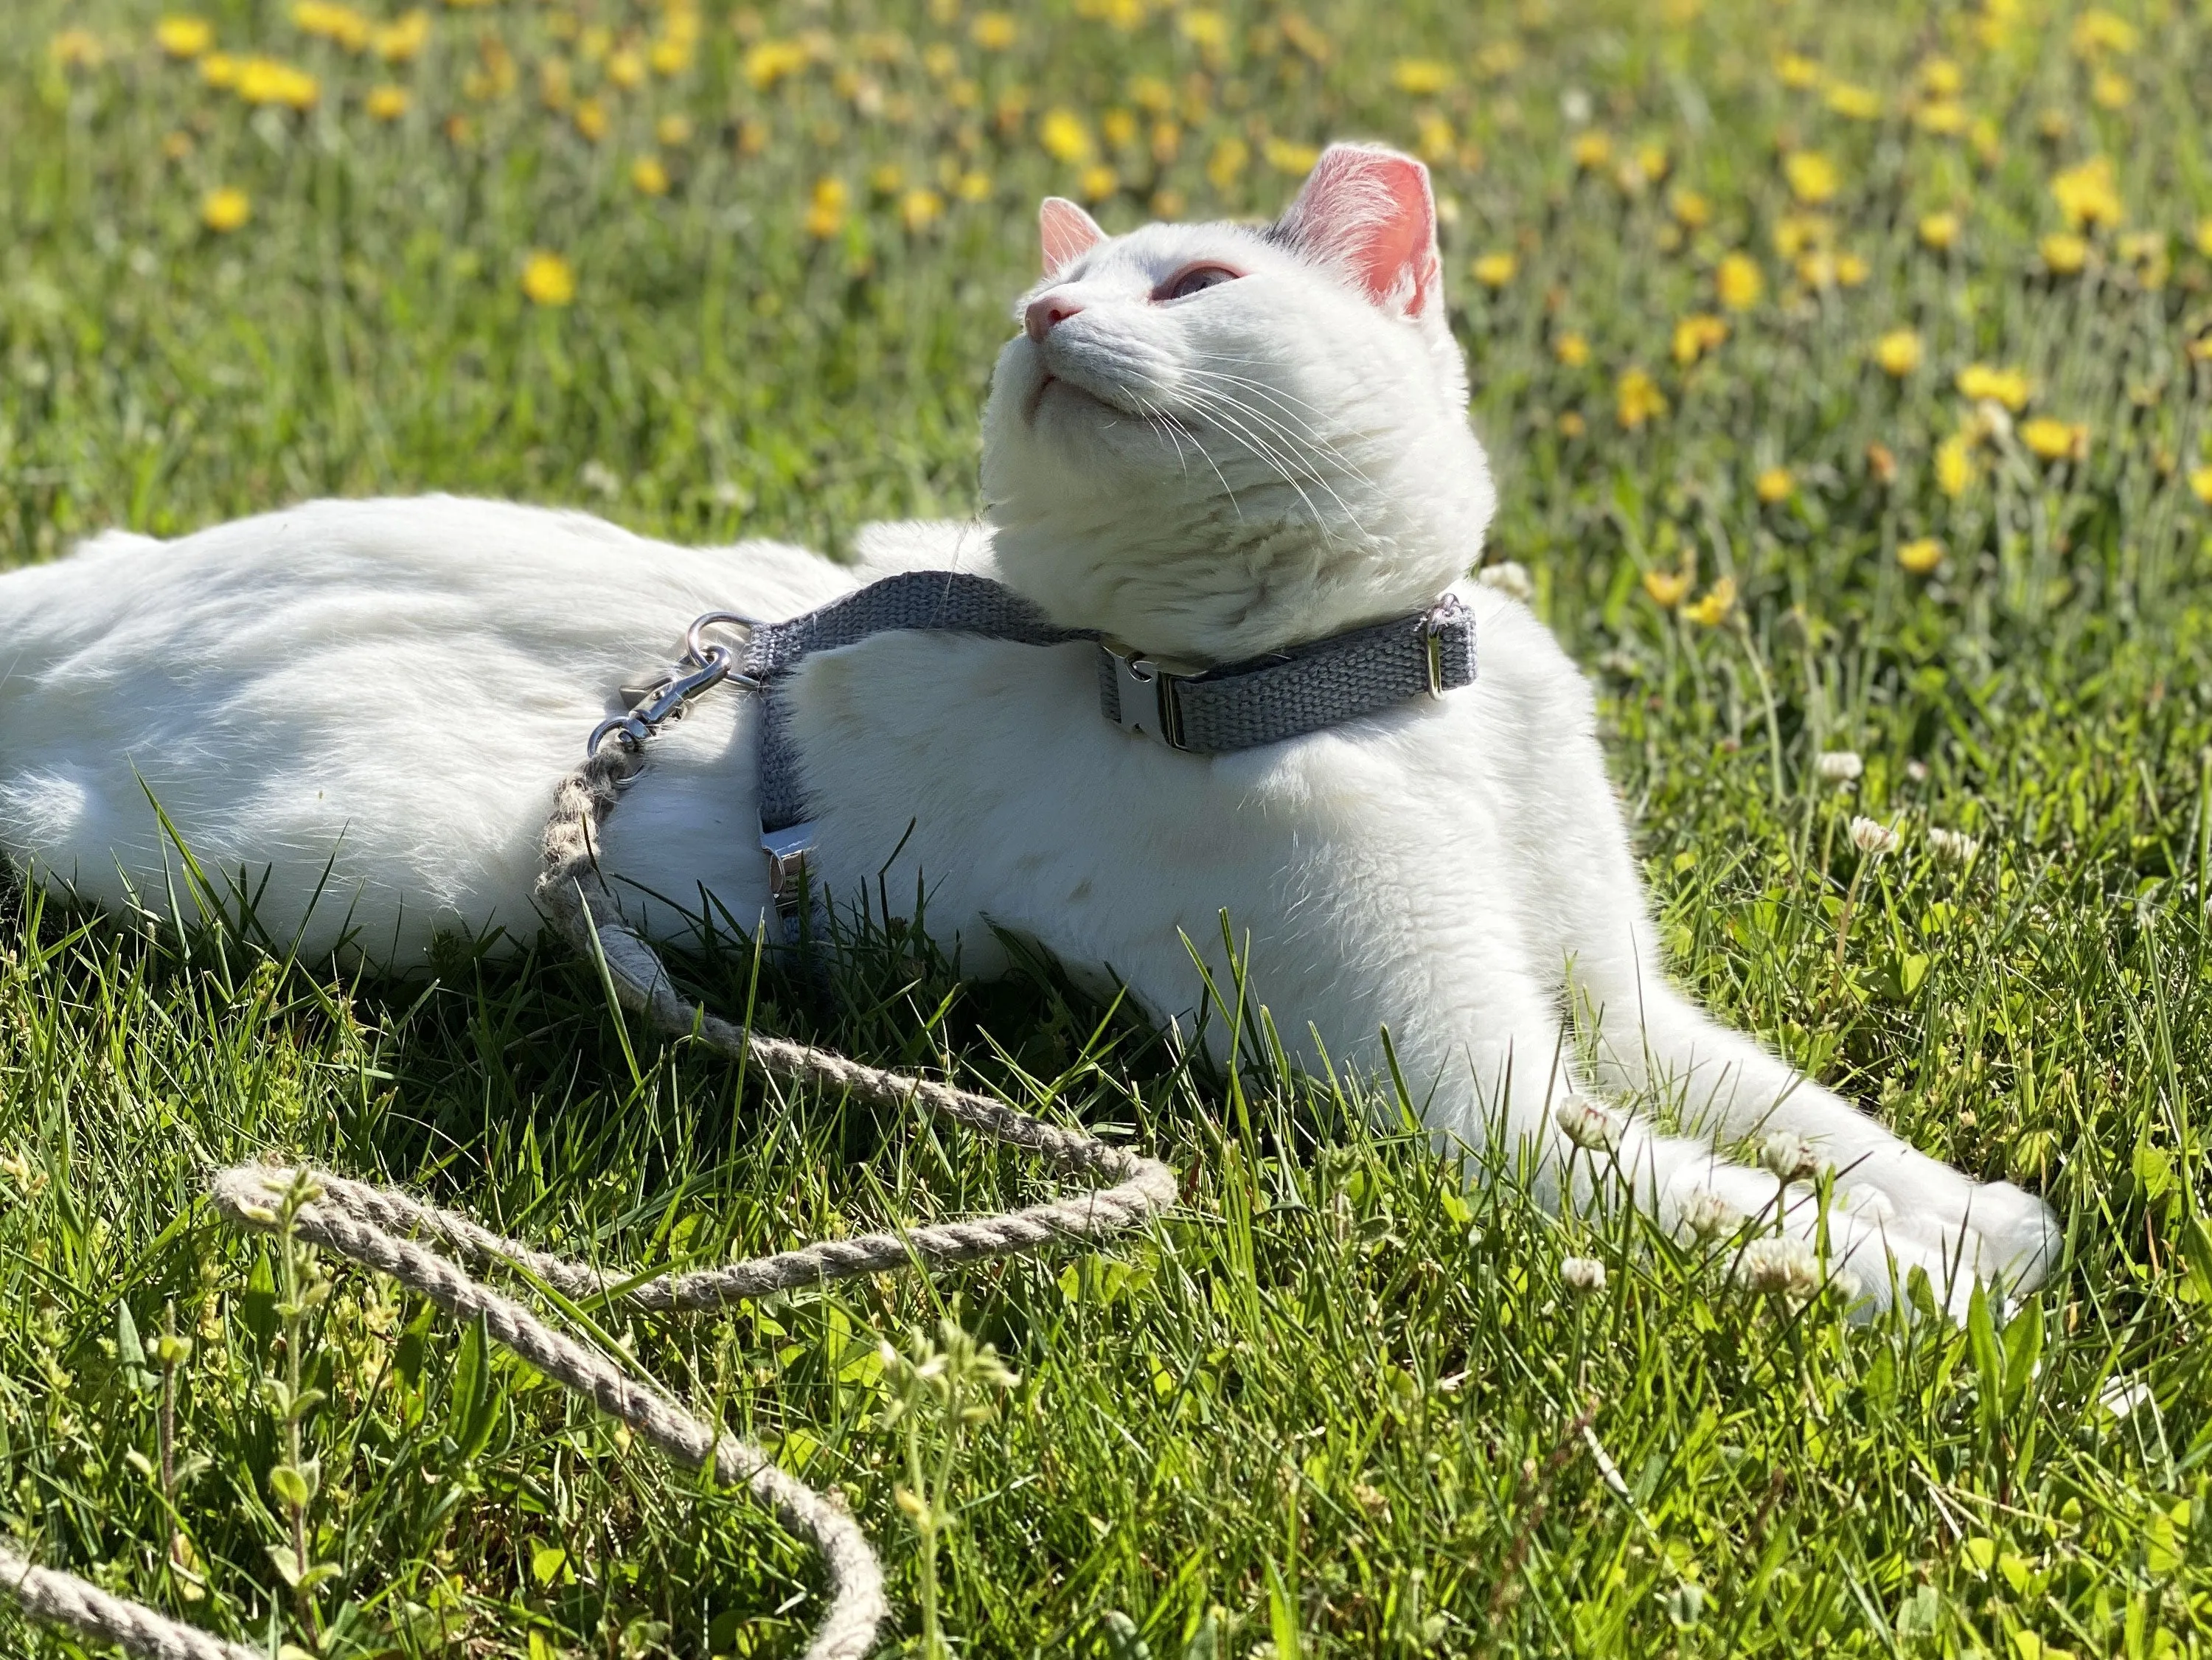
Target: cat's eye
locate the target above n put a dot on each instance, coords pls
(1196, 280)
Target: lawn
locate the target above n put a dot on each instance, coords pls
(1842, 369)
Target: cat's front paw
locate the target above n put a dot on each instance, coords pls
(2017, 1238)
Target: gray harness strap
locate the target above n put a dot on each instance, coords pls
(1237, 705)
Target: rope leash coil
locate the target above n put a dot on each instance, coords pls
(380, 1229)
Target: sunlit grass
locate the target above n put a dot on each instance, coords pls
(1844, 369)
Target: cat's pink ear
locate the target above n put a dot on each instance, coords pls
(1067, 231)
(1369, 211)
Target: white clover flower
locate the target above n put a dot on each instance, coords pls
(1953, 847)
(1789, 1157)
(1873, 838)
(1705, 1215)
(1510, 578)
(1588, 1125)
(1582, 1275)
(1838, 767)
(1778, 1268)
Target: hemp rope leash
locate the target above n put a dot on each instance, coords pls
(369, 1224)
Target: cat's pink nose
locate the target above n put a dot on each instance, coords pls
(1046, 314)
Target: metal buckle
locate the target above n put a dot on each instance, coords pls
(789, 852)
(1432, 643)
(1146, 694)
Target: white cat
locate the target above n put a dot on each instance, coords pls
(1211, 440)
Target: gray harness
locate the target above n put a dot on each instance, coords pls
(1262, 700)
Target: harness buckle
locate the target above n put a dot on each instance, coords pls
(1145, 694)
(790, 852)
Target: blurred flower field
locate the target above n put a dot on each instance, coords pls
(1846, 371)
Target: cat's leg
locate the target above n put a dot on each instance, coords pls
(1518, 1077)
(1655, 1042)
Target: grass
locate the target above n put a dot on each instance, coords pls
(1339, 1405)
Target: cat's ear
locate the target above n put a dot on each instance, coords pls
(1065, 231)
(1369, 211)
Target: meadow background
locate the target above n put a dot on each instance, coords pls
(1845, 370)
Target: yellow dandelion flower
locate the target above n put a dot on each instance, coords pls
(1854, 103)
(1668, 588)
(2009, 387)
(1571, 349)
(1227, 165)
(626, 69)
(224, 211)
(591, 119)
(76, 49)
(2088, 194)
(1942, 77)
(1812, 176)
(1206, 30)
(825, 212)
(2064, 252)
(920, 208)
(1696, 334)
(1591, 151)
(1096, 182)
(649, 175)
(2112, 90)
(1851, 270)
(2200, 484)
(1939, 230)
(972, 187)
(265, 81)
(1988, 141)
(1421, 77)
(1692, 210)
(1795, 233)
(1796, 72)
(752, 136)
(1571, 424)
(1499, 59)
(886, 180)
(2055, 441)
(548, 279)
(1944, 118)
(1652, 161)
(387, 102)
(1898, 353)
(1713, 609)
(1921, 555)
(1297, 159)
(1118, 128)
(768, 62)
(2098, 31)
(673, 131)
(1434, 138)
(1151, 95)
(185, 37)
(669, 57)
(402, 40)
(1774, 485)
(1955, 466)
(1739, 282)
(219, 69)
(1495, 270)
(1637, 400)
(1065, 138)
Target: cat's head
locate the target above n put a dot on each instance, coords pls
(1213, 440)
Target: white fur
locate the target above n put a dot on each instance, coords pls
(390, 689)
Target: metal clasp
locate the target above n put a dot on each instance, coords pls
(1146, 694)
(790, 869)
(701, 667)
